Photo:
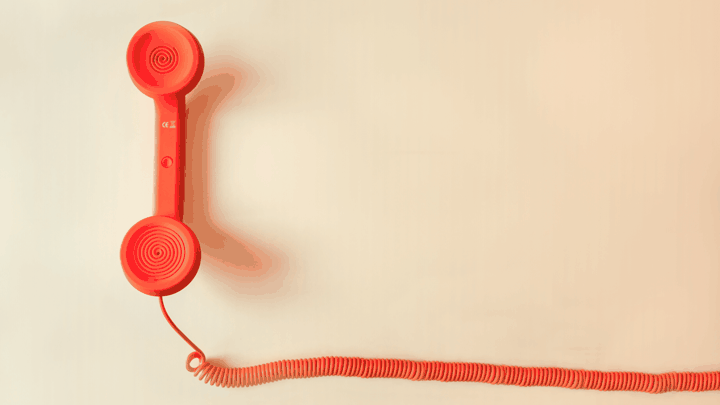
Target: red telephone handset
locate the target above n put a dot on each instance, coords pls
(161, 255)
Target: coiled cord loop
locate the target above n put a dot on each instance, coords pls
(192, 356)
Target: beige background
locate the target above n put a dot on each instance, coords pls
(522, 182)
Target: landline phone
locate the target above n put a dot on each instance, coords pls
(160, 255)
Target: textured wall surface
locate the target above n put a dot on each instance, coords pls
(531, 183)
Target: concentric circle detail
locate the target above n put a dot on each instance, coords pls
(163, 59)
(160, 255)
(159, 252)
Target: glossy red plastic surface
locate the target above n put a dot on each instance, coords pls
(165, 58)
(161, 255)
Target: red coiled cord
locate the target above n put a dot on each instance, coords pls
(442, 371)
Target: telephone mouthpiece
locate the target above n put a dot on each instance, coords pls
(160, 255)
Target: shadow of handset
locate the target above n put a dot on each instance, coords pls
(238, 263)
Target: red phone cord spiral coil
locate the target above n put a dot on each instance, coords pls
(443, 371)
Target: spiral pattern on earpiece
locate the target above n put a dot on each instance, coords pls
(159, 252)
(163, 59)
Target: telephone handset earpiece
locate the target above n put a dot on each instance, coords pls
(160, 255)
